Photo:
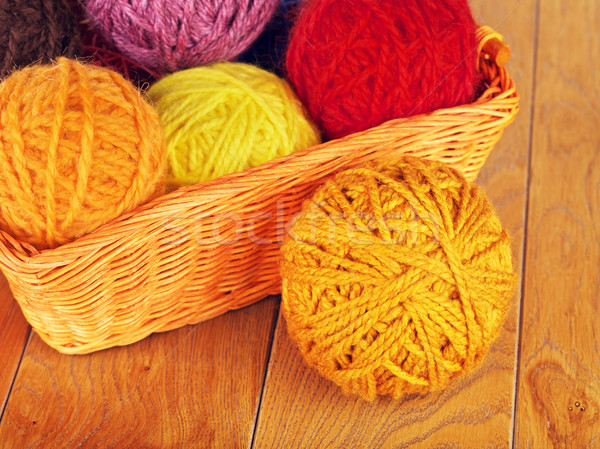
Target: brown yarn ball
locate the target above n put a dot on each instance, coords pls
(35, 31)
(396, 278)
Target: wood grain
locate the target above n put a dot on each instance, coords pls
(559, 372)
(302, 410)
(197, 387)
(14, 331)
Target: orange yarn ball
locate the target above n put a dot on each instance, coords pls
(78, 147)
(396, 278)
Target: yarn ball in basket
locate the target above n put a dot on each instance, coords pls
(225, 118)
(170, 36)
(79, 146)
(35, 31)
(396, 278)
(359, 63)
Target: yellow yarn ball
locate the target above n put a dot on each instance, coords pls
(225, 118)
(396, 278)
(79, 146)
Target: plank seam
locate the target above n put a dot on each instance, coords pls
(17, 369)
(536, 26)
(264, 379)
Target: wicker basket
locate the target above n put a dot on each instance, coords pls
(203, 250)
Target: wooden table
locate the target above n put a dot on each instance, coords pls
(238, 382)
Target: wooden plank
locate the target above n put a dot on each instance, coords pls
(302, 410)
(195, 387)
(559, 376)
(13, 337)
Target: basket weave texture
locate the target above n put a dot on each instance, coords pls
(202, 250)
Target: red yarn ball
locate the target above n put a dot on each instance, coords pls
(358, 63)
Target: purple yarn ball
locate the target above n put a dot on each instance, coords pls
(170, 35)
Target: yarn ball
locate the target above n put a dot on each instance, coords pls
(225, 118)
(78, 147)
(35, 31)
(170, 36)
(359, 63)
(396, 278)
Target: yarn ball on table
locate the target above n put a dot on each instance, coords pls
(359, 63)
(170, 36)
(396, 278)
(79, 146)
(225, 118)
(35, 31)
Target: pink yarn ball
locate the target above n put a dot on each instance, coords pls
(170, 35)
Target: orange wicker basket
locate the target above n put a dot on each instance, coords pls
(203, 250)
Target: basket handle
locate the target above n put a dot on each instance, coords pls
(492, 46)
